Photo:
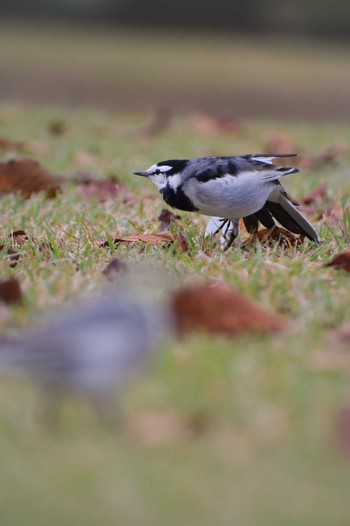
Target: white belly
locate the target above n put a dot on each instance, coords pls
(229, 196)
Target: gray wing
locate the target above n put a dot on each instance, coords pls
(205, 169)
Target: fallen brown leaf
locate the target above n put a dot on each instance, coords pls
(280, 143)
(341, 261)
(19, 237)
(182, 244)
(317, 195)
(46, 249)
(166, 218)
(209, 123)
(10, 291)
(267, 237)
(306, 161)
(8, 145)
(344, 334)
(101, 189)
(114, 268)
(57, 128)
(27, 177)
(332, 153)
(333, 214)
(329, 155)
(220, 309)
(13, 258)
(150, 239)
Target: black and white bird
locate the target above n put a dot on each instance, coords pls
(231, 188)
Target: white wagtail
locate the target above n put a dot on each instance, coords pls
(93, 349)
(231, 188)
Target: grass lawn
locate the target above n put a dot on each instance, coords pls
(267, 408)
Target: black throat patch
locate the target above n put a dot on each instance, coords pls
(177, 199)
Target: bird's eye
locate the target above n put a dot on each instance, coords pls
(157, 172)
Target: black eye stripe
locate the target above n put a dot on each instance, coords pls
(157, 172)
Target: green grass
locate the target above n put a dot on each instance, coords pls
(268, 452)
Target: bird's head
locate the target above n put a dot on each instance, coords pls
(166, 172)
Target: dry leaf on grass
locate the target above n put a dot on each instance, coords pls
(220, 309)
(267, 237)
(13, 256)
(46, 249)
(10, 292)
(150, 239)
(19, 237)
(316, 196)
(166, 218)
(331, 214)
(57, 128)
(341, 261)
(167, 427)
(101, 189)
(344, 334)
(305, 161)
(27, 177)
(331, 154)
(114, 269)
(280, 143)
(209, 123)
(182, 244)
(8, 145)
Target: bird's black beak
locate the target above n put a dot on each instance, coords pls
(143, 174)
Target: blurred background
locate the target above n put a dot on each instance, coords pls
(281, 59)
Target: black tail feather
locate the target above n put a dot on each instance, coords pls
(266, 217)
(251, 223)
(285, 219)
(263, 216)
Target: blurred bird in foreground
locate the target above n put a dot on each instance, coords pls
(93, 350)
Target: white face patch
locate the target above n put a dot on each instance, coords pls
(159, 179)
(175, 180)
(157, 174)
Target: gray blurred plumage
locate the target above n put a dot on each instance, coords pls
(92, 349)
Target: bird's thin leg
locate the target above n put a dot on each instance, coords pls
(233, 235)
(224, 222)
(227, 227)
